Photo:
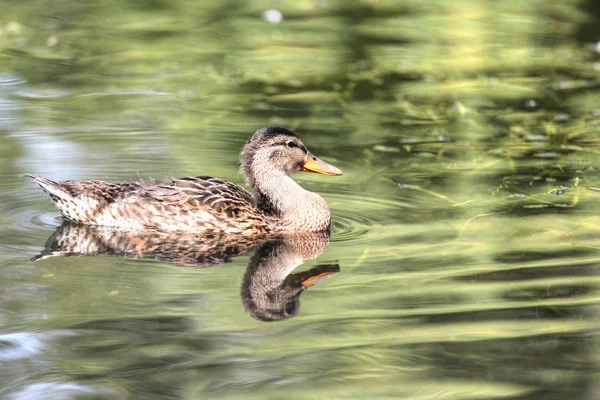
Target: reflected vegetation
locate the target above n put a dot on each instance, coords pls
(269, 290)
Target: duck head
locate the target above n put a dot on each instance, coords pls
(273, 150)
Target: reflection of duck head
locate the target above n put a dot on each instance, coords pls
(269, 292)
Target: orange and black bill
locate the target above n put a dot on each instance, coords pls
(317, 274)
(315, 164)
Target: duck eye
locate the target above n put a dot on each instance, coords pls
(289, 309)
(291, 144)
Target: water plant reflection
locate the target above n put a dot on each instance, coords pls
(269, 290)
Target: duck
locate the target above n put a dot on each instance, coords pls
(208, 205)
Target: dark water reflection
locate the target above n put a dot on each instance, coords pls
(269, 291)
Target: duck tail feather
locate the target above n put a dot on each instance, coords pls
(51, 187)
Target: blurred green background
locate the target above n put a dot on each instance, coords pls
(465, 224)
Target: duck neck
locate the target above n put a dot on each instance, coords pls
(281, 198)
(277, 193)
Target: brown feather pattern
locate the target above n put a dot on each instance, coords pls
(205, 204)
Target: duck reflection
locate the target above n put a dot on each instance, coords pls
(269, 290)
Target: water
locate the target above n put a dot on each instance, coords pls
(464, 257)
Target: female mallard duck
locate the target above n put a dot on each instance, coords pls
(209, 205)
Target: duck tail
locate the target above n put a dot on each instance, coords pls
(52, 188)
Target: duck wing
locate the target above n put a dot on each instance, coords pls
(213, 204)
(202, 192)
(200, 204)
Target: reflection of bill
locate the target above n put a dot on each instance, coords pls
(269, 290)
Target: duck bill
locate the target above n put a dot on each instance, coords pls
(316, 275)
(315, 164)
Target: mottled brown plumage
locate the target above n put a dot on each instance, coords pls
(204, 204)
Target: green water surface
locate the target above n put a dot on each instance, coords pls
(465, 226)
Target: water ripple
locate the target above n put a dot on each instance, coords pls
(351, 226)
(61, 390)
(29, 213)
(19, 345)
(358, 218)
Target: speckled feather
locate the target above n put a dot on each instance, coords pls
(192, 204)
